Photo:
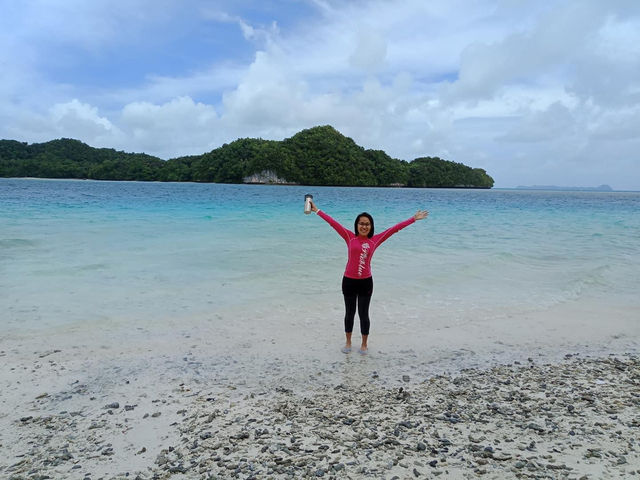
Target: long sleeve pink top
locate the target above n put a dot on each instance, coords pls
(361, 248)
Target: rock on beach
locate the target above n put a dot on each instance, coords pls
(575, 419)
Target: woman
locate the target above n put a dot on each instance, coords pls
(357, 283)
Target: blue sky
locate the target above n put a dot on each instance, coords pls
(534, 92)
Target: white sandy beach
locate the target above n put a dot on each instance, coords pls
(119, 403)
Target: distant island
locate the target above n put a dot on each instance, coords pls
(315, 156)
(601, 188)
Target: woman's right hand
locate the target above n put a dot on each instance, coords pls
(313, 207)
(420, 214)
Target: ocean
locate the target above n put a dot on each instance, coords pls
(240, 272)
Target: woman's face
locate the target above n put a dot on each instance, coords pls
(364, 226)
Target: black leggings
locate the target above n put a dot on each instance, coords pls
(357, 291)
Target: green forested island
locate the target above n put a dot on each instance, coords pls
(316, 156)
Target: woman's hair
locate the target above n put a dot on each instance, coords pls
(355, 224)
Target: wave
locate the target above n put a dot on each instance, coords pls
(17, 243)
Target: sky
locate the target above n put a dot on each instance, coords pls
(535, 92)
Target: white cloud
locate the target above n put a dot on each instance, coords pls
(159, 88)
(72, 119)
(260, 34)
(178, 127)
(497, 84)
(79, 120)
(618, 125)
(370, 51)
(537, 55)
(555, 122)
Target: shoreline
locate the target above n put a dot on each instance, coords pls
(574, 418)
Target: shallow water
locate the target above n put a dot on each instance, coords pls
(240, 271)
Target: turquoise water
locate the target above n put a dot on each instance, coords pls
(247, 263)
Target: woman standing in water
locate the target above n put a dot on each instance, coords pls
(357, 282)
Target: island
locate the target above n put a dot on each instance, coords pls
(315, 156)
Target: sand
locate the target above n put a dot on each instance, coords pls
(82, 411)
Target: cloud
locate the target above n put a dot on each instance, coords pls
(266, 95)
(175, 128)
(207, 83)
(370, 51)
(261, 35)
(79, 119)
(72, 119)
(540, 53)
(555, 122)
(178, 127)
(496, 84)
(619, 125)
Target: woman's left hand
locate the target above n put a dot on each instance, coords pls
(420, 214)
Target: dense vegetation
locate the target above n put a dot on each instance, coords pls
(316, 156)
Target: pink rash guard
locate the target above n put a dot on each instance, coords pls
(361, 250)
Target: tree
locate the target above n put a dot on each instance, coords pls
(315, 156)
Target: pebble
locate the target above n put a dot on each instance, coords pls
(531, 421)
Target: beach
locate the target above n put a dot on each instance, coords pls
(194, 331)
(200, 404)
(574, 418)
